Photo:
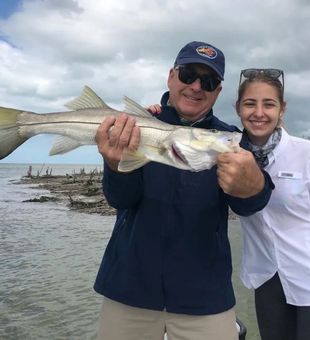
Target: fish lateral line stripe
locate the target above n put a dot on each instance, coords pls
(155, 127)
(79, 122)
(59, 122)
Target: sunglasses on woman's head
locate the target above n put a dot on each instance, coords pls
(252, 73)
(188, 75)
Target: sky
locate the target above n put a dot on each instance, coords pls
(50, 49)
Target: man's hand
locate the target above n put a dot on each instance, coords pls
(239, 175)
(114, 135)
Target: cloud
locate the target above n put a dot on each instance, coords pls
(50, 49)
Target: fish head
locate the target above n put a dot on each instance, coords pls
(198, 148)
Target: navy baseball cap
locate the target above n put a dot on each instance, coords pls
(202, 53)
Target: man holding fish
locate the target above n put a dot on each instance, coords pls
(167, 267)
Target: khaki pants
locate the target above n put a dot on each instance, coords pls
(122, 322)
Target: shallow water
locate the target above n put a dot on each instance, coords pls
(49, 257)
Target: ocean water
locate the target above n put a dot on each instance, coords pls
(49, 257)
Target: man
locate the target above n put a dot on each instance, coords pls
(167, 267)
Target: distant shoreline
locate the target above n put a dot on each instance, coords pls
(81, 191)
(78, 191)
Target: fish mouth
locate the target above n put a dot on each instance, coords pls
(188, 156)
(178, 155)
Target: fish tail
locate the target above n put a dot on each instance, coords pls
(10, 138)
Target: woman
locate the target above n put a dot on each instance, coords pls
(276, 252)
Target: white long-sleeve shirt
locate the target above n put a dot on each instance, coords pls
(277, 239)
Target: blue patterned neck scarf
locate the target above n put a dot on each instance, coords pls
(261, 152)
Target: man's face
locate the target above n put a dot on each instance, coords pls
(190, 100)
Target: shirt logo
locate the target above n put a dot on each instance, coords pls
(207, 51)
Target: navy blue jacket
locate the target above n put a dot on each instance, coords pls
(169, 248)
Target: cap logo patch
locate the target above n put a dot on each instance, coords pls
(207, 51)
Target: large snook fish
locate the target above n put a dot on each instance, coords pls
(185, 148)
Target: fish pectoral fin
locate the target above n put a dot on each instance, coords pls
(132, 160)
(134, 108)
(234, 144)
(63, 145)
(87, 100)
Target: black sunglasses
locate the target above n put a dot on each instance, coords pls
(272, 73)
(188, 75)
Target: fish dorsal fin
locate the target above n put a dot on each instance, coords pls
(62, 145)
(87, 100)
(134, 108)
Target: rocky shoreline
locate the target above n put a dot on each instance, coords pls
(78, 191)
